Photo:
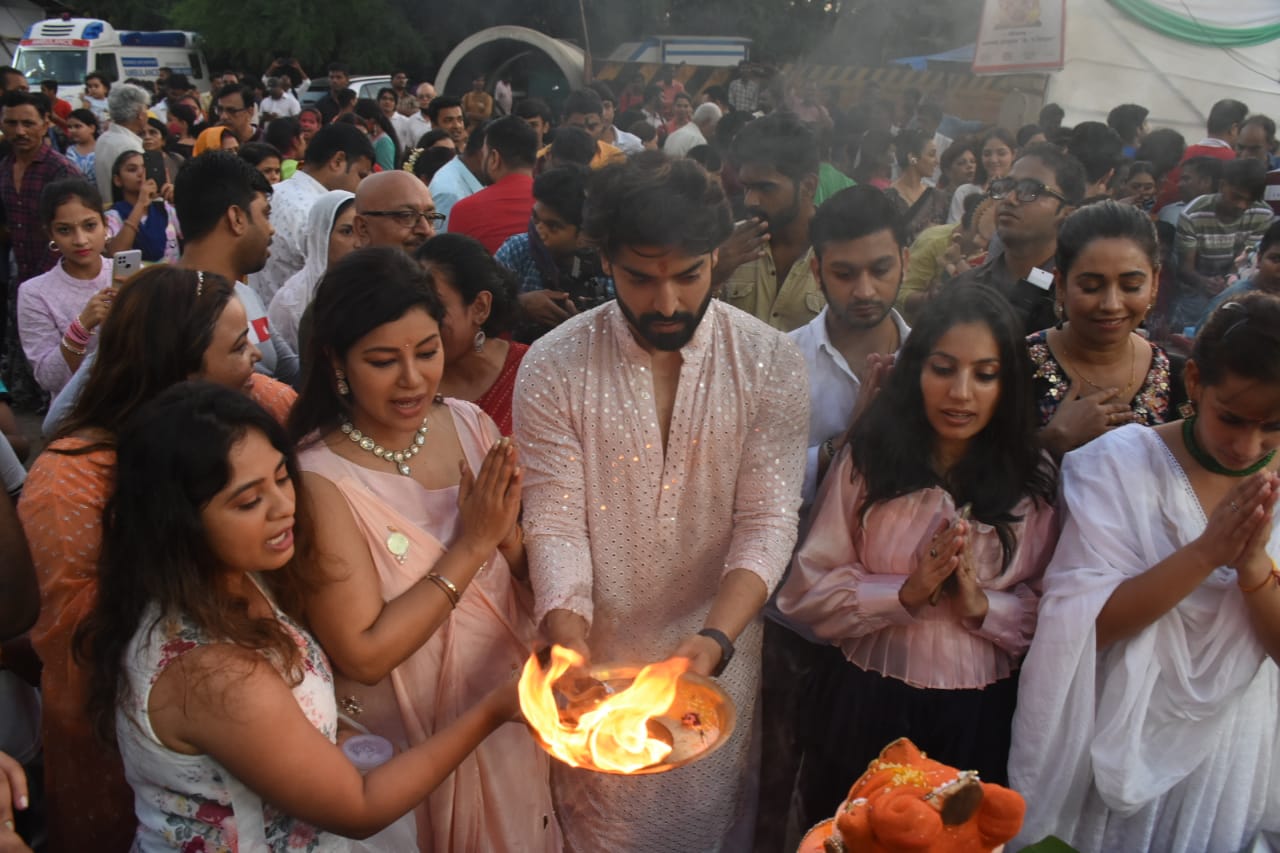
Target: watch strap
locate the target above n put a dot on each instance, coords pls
(726, 648)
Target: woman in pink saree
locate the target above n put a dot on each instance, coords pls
(425, 608)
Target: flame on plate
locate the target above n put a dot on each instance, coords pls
(614, 736)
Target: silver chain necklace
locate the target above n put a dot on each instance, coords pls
(400, 458)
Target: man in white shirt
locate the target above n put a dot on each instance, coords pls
(419, 123)
(859, 260)
(338, 157)
(279, 102)
(128, 105)
(695, 133)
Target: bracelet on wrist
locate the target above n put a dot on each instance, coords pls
(77, 333)
(72, 348)
(447, 587)
(1273, 576)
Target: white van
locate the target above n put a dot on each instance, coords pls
(66, 49)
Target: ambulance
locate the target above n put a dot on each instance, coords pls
(66, 49)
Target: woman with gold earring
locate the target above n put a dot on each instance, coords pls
(479, 297)
(1094, 370)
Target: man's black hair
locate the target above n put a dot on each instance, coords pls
(582, 102)
(1206, 167)
(245, 93)
(654, 202)
(1127, 120)
(854, 213)
(338, 138)
(780, 141)
(512, 137)
(564, 190)
(280, 132)
(1247, 175)
(533, 108)
(340, 67)
(573, 145)
(602, 89)
(1066, 169)
(1224, 114)
(441, 102)
(209, 185)
(18, 98)
(1098, 148)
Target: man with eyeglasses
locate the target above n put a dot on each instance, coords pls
(1043, 188)
(395, 209)
(501, 210)
(235, 110)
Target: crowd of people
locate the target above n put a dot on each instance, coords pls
(896, 425)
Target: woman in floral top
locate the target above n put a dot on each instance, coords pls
(1094, 372)
(222, 705)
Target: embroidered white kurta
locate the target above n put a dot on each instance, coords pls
(1165, 741)
(636, 540)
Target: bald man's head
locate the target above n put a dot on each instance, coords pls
(394, 209)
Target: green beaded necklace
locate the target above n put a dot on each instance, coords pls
(1212, 465)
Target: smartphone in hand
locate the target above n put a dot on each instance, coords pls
(125, 264)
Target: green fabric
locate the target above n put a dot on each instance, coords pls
(287, 168)
(830, 181)
(1156, 17)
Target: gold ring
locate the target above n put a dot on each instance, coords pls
(933, 552)
(1234, 508)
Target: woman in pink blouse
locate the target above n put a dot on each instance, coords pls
(923, 561)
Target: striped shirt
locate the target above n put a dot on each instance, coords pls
(1218, 242)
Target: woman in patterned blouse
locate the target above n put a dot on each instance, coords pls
(1094, 371)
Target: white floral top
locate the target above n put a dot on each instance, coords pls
(190, 803)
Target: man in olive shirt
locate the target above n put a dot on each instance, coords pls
(765, 266)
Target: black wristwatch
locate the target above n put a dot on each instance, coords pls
(726, 649)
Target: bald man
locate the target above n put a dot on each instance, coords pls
(395, 209)
(419, 123)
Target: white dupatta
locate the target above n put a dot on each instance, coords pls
(1165, 741)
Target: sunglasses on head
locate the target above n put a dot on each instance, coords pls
(1025, 190)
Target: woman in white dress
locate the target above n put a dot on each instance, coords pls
(1146, 714)
(221, 702)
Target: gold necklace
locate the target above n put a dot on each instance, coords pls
(1133, 369)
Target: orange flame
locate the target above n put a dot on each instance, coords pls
(613, 736)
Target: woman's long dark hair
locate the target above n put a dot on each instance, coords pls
(173, 457)
(368, 109)
(892, 442)
(366, 289)
(156, 335)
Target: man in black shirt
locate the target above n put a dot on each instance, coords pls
(1043, 188)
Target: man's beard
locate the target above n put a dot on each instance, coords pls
(667, 341)
(781, 219)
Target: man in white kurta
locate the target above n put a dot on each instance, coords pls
(641, 537)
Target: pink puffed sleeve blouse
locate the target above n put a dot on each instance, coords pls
(845, 579)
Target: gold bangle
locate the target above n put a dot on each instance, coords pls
(447, 587)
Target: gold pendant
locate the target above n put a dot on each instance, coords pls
(398, 545)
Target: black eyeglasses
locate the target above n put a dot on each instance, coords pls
(1025, 190)
(408, 218)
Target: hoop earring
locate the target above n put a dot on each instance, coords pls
(343, 388)
(53, 247)
(479, 340)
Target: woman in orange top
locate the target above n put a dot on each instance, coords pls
(167, 325)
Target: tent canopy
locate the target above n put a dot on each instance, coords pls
(1112, 58)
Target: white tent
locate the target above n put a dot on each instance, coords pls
(1111, 59)
(15, 17)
